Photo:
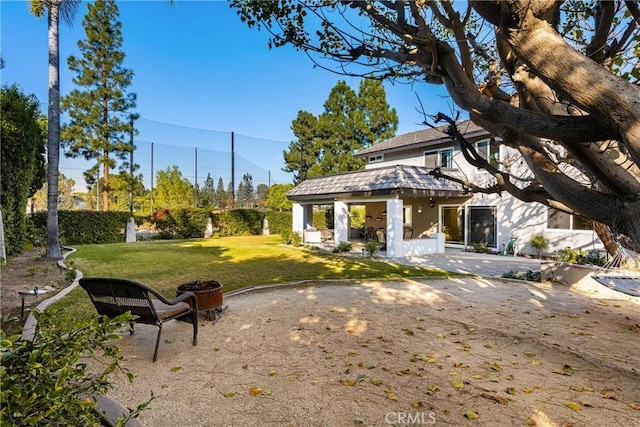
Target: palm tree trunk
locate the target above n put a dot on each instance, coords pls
(53, 134)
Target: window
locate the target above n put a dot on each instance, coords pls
(563, 221)
(489, 151)
(376, 159)
(441, 158)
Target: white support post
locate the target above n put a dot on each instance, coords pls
(297, 218)
(394, 228)
(340, 222)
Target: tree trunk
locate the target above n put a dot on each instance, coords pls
(53, 133)
(105, 184)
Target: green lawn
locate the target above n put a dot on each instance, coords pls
(236, 262)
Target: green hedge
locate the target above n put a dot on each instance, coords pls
(89, 227)
(85, 227)
(240, 222)
(188, 223)
(279, 222)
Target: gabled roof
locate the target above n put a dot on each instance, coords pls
(384, 181)
(428, 136)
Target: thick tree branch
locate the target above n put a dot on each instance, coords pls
(610, 100)
(603, 15)
(464, 93)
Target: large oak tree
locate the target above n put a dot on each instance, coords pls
(558, 81)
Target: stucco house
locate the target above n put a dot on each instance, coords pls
(419, 214)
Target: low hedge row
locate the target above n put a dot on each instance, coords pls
(89, 227)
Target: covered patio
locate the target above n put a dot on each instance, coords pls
(400, 207)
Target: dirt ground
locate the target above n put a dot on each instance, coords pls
(430, 352)
(24, 273)
(464, 351)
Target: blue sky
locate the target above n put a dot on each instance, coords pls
(198, 67)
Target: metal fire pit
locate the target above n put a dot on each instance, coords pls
(209, 296)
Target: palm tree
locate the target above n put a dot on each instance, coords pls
(67, 10)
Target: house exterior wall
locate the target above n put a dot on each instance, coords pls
(514, 217)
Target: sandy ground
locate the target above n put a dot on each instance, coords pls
(400, 353)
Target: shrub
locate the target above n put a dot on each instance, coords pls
(296, 239)
(371, 247)
(239, 222)
(532, 276)
(343, 247)
(481, 247)
(46, 381)
(577, 256)
(539, 243)
(85, 227)
(279, 222)
(593, 257)
(572, 256)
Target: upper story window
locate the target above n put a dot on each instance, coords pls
(440, 158)
(488, 151)
(376, 159)
(563, 221)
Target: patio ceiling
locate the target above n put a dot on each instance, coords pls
(395, 180)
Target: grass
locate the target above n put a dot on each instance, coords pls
(236, 262)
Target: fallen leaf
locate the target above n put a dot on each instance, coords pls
(229, 394)
(536, 363)
(416, 404)
(527, 390)
(432, 389)
(407, 331)
(455, 332)
(496, 367)
(574, 406)
(459, 385)
(582, 388)
(253, 391)
(390, 394)
(511, 391)
(566, 370)
(175, 368)
(376, 381)
(358, 421)
(348, 382)
(273, 372)
(477, 377)
(529, 354)
(634, 406)
(610, 395)
(471, 415)
(439, 336)
(488, 345)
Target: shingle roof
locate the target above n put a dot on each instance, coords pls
(398, 179)
(429, 136)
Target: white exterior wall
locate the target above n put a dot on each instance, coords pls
(514, 217)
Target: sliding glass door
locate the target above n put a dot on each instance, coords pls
(466, 225)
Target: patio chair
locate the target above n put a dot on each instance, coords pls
(112, 297)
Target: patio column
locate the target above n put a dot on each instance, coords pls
(395, 230)
(297, 218)
(340, 222)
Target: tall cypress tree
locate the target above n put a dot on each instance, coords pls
(99, 109)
